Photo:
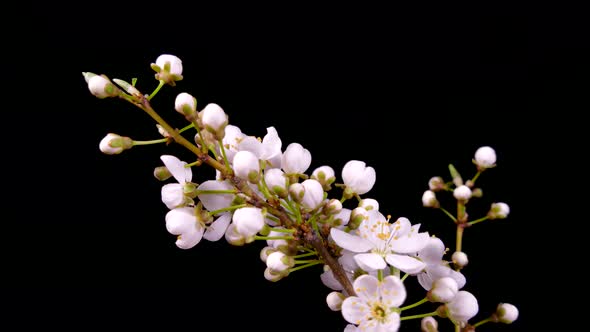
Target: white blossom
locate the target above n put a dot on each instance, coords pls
(485, 157)
(269, 149)
(233, 237)
(184, 223)
(374, 307)
(463, 307)
(358, 177)
(173, 193)
(377, 241)
(429, 324)
(295, 159)
(348, 265)
(507, 313)
(333, 206)
(313, 195)
(231, 141)
(247, 166)
(213, 202)
(278, 262)
(101, 87)
(248, 221)
(460, 259)
(436, 268)
(436, 183)
(297, 191)
(265, 252)
(325, 175)
(175, 63)
(462, 193)
(334, 301)
(341, 218)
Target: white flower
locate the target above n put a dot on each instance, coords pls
(429, 199)
(184, 223)
(377, 241)
(231, 141)
(213, 202)
(436, 268)
(175, 63)
(247, 166)
(358, 177)
(334, 301)
(114, 144)
(185, 104)
(460, 259)
(313, 195)
(429, 324)
(369, 204)
(443, 290)
(462, 193)
(248, 220)
(463, 307)
(485, 157)
(507, 313)
(278, 262)
(295, 159)
(101, 87)
(499, 211)
(173, 193)
(214, 119)
(277, 182)
(269, 149)
(373, 309)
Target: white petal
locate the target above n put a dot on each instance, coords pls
(410, 243)
(401, 227)
(373, 227)
(370, 262)
(393, 291)
(433, 252)
(271, 144)
(367, 288)
(216, 230)
(216, 201)
(330, 281)
(350, 328)
(251, 144)
(425, 280)
(180, 220)
(458, 277)
(190, 239)
(172, 195)
(350, 242)
(176, 167)
(347, 261)
(355, 310)
(406, 264)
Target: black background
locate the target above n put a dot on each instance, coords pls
(406, 91)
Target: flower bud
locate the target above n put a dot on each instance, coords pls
(277, 182)
(457, 179)
(247, 166)
(168, 68)
(460, 259)
(463, 307)
(333, 206)
(499, 211)
(100, 86)
(313, 194)
(357, 216)
(429, 324)
(358, 177)
(295, 159)
(297, 191)
(443, 290)
(115, 144)
(325, 176)
(248, 221)
(462, 193)
(277, 244)
(186, 105)
(477, 192)
(162, 173)
(341, 218)
(215, 120)
(274, 277)
(369, 204)
(130, 89)
(265, 252)
(436, 183)
(429, 199)
(334, 300)
(507, 313)
(278, 262)
(485, 157)
(162, 131)
(233, 237)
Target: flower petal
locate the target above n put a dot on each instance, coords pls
(370, 262)
(190, 239)
(392, 291)
(251, 144)
(347, 261)
(355, 310)
(172, 195)
(350, 242)
(425, 280)
(213, 202)
(405, 263)
(180, 220)
(216, 230)
(176, 167)
(330, 281)
(271, 144)
(433, 252)
(410, 243)
(367, 288)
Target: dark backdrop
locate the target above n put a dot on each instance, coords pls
(408, 95)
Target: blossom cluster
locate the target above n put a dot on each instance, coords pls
(264, 190)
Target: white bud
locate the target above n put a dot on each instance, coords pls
(460, 259)
(173, 195)
(175, 63)
(357, 216)
(485, 157)
(443, 290)
(325, 175)
(369, 204)
(295, 159)
(277, 182)
(342, 218)
(333, 206)
(436, 183)
(297, 191)
(278, 262)
(507, 313)
(265, 252)
(429, 324)
(334, 300)
(270, 276)
(233, 237)
(247, 166)
(499, 211)
(429, 199)
(276, 244)
(313, 195)
(102, 87)
(358, 177)
(463, 307)
(115, 144)
(462, 193)
(214, 119)
(248, 221)
(186, 104)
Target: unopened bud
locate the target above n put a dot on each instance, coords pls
(462, 193)
(369, 204)
(100, 86)
(436, 183)
(499, 211)
(334, 300)
(460, 259)
(186, 105)
(507, 313)
(162, 173)
(215, 120)
(265, 252)
(356, 217)
(297, 191)
(325, 175)
(429, 199)
(485, 157)
(429, 324)
(115, 144)
(168, 68)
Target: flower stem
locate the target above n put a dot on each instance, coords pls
(223, 153)
(380, 275)
(305, 255)
(410, 306)
(419, 316)
(476, 176)
(156, 90)
(282, 230)
(471, 223)
(192, 125)
(483, 321)
(304, 266)
(154, 141)
(448, 214)
(215, 192)
(306, 261)
(229, 208)
(405, 276)
(459, 241)
(258, 237)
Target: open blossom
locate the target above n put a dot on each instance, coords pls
(373, 309)
(173, 193)
(269, 149)
(358, 177)
(213, 202)
(436, 268)
(377, 241)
